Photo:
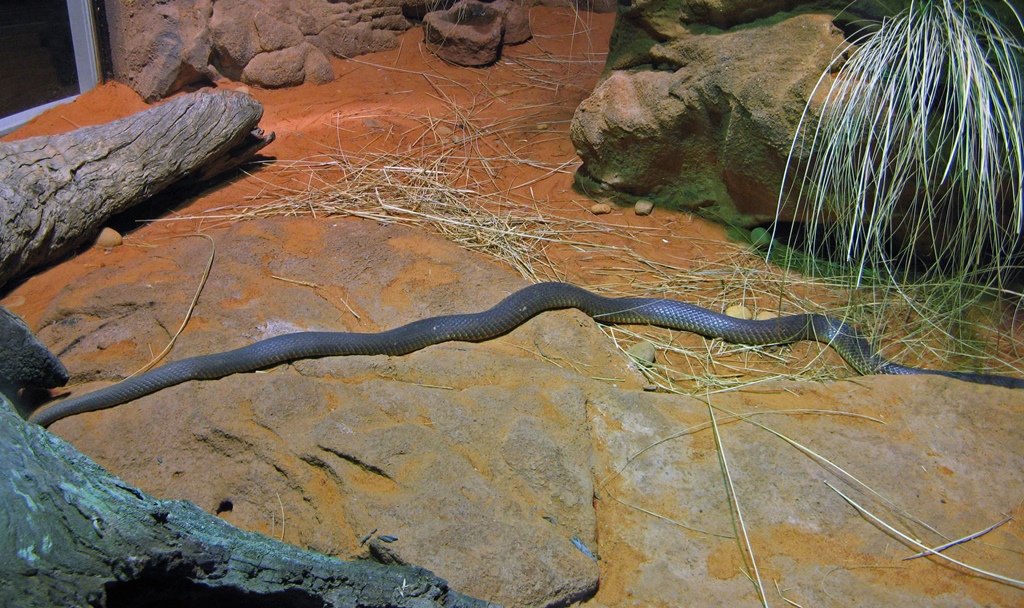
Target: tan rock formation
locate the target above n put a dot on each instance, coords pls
(707, 124)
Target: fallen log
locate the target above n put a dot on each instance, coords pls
(56, 192)
(72, 534)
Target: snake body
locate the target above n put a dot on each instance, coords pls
(508, 314)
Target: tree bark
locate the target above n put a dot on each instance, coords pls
(72, 534)
(56, 192)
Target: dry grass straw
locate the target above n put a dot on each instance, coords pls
(188, 313)
(740, 527)
(437, 191)
(901, 331)
(738, 276)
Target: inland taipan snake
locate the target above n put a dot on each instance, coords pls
(508, 314)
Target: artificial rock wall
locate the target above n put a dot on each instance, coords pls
(160, 46)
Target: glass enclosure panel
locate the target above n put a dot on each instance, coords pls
(37, 56)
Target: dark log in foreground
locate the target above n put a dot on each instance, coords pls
(56, 192)
(72, 534)
(24, 360)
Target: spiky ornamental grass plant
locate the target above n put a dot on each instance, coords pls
(917, 152)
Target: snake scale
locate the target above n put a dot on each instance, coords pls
(508, 314)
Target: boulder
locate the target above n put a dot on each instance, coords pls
(158, 46)
(348, 41)
(517, 22)
(704, 119)
(471, 33)
(482, 475)
(316, 66)
(728, 13)
(289, 67)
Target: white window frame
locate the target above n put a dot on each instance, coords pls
(87, 63)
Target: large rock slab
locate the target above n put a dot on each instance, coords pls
(75, 535)
(482, 475)
(935, 458)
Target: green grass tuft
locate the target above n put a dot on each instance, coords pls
(908, 164)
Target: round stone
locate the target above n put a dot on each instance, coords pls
(739, 311)
(643, 352)
(643, 207)
(760, 238)
(109, 238)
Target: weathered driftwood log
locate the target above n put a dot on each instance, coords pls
(72, 534)
(57, 191)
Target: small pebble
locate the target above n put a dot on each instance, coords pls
(109, 238)
(600, 208)
(650, 388)
(373, 124)
(443, 131)
(243, 89)
(764, 315)
(643, 207)
(739, 311)
(14, 301)
(542, 126)
(643, 352)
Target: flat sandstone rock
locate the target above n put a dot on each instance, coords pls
(485, 475)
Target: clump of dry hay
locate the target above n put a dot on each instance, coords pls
(410, 190)
(739, 277)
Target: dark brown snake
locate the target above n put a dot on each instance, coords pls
(508, 314)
